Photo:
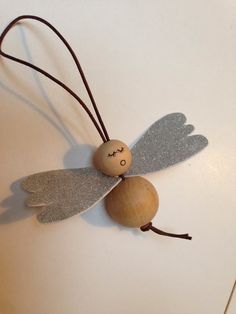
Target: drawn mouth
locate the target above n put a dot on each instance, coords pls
(122, 162)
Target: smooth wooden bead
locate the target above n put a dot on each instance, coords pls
(133, 202)
(113, 158)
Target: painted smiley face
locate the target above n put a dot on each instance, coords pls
(113, 158)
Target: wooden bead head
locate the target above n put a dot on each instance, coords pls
(133, 202)
(113, 158)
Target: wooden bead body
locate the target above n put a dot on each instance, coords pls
(133, 202)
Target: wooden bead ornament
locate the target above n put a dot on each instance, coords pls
(131, 200)
(113, 158)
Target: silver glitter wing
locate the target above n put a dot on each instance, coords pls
(64, 193)
(165, 143)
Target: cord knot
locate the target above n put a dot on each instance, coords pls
(149, 226)
(146, 227)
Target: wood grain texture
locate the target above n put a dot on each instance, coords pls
(113, 158)
(133, 203)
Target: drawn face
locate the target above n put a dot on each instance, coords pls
(113, 158)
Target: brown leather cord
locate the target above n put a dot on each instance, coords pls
(122, 176)
(149, 226)
(102, 131)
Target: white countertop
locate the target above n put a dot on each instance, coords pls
(143, 60)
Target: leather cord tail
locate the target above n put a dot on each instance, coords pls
(149, 226)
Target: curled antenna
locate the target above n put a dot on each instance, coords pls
(101, 129)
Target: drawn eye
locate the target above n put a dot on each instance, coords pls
(119, 150)
(112, 155)
(122, 162)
